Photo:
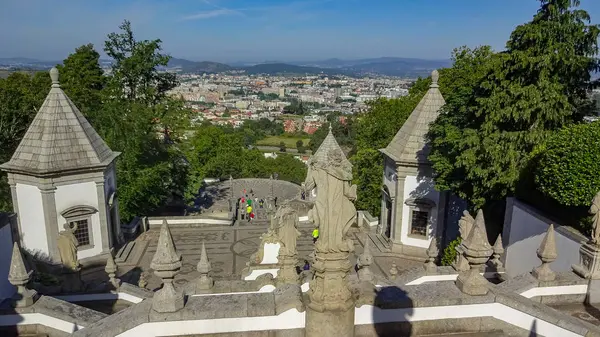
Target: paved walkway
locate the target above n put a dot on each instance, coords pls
(229, 248)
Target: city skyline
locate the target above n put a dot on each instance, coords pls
(233, 30)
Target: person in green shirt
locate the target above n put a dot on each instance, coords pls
(315, 235)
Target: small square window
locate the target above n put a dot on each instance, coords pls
(82, 231)
(419, 222)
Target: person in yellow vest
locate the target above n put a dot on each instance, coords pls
(248, 211)
(315, 235)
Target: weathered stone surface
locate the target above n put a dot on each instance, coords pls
(205, 281)
(589, 261)
(432, 254)
(166, 264)
(67, 311)
(119, 322)
(477, 251)
(547, 254)
(18, 276)
(498, 250)
(288, 296)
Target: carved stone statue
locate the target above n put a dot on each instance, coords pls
(595, 211)
(465, 224)
(67, 247)
(286, 221)
(333, 210)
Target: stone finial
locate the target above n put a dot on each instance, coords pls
(19, 277)
(547, 254)
(166, 264)
(498, 250)
(54, 77)
(364, 261)
(111, 269)
(477, 250)
(393, 271)
(432, 254)
(205, 282)
(435, 76)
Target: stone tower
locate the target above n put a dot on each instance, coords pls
(412, 211)
(63, 172)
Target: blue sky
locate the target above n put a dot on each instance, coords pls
(260, 30)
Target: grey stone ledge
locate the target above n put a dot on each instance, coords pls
(119, 322)
(136, 291)
(66, 311)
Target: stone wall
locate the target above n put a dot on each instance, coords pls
(262, 188)
(6, 243)
(524, 229)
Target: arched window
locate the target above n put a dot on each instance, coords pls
(79, 219)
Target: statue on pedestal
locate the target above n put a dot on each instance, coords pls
(286, 222)
(589, 253)
(330, 307)
(67, 247)
(333, 210)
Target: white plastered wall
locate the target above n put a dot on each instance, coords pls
(31, 217)
(76, 195)
(424, 188)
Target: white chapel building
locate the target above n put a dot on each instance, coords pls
(412, 211)
(63, 173)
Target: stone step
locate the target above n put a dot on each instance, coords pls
(124, 252)
(493, 333)
(378, 242)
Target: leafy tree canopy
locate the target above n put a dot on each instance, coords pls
(512, 101)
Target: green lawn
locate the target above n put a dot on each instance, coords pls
(289, 141)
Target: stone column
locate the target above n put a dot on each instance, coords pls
(105, 231)
(364, 262)
(330, 310)
(51, 220)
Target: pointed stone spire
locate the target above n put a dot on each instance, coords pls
(364, 262)
(205, 282)
(111, 269)
(166, 264)
(432, 254)
(547, 254)
(409, 145)
(477, 250)
(19, 277)
(498, 250)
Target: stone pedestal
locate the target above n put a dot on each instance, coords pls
(287, 270)
(330, 308)
(472, 283)
(330, 323)
(589, 261)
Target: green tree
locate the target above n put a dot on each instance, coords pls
(513, 101)
(82, 79)
(135, 112)
(282, 147)
(300, 146)
(287, 168)
(21, 96)
(568, 165)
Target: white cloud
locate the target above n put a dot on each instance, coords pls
(210, 14)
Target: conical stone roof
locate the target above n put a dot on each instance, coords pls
(547, 249)
(59, 139)
(409, 145)
(166, 256)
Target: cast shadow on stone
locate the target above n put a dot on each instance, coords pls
(533, 330)
(132, 276)
(6, 309)
(392, 311)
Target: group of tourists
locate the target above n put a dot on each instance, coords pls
(247, 201)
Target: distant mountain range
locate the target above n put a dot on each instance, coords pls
(386, 66)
